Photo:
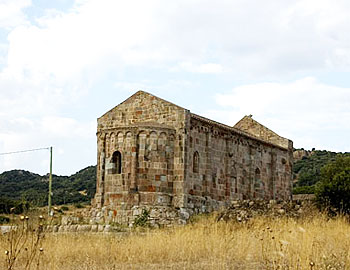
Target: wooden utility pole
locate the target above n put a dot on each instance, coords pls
(50, 184)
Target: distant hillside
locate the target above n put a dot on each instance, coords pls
(307, 166)
(80, 187)
(24, 185)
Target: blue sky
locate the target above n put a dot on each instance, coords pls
(65, 63)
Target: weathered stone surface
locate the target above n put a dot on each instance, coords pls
(100, 228)
(156, 155)
(83, 228)
(94, 228)
(73, 228)
(184, 214)
(107, 228)
(55, 228)
(68, 220)
(301, 153)
(281, 211)
(5, 228)
(245, 210)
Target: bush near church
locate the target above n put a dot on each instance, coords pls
(333, 191)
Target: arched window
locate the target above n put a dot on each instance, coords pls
(257, 174)
(116, 163)
(257, 182)
(196, 162)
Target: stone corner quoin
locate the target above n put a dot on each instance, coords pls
(156, 156)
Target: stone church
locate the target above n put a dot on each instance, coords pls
(155, 155)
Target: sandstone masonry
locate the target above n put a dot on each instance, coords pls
(157, 156)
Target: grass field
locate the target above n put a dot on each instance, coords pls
(313, 242)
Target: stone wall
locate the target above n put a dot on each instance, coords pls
(148, 134)
(155, 216)
(232, 166)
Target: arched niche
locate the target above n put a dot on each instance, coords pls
(120, 138)
(108, 145)
(112, 141)
(162, 141)
(153, 141)
(142, 139)
(195, 161)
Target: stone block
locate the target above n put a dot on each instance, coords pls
(100, 228)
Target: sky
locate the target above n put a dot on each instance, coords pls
(64, 63)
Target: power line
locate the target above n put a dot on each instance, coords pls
(23, 151)
(50, 177)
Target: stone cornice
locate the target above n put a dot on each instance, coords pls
(137, 127)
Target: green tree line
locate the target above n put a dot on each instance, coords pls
(307, 171)
(22, 186)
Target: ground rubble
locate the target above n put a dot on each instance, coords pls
(242, 211)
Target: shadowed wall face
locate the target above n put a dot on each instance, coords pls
(233, 166)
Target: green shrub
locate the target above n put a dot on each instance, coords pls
(333, 191)
(141, 220)
(304, 190)
(8, 206)
(4, 219)
(308, 169)
(79, 205)
(65, 208)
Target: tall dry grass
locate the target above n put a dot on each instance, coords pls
(262, 243)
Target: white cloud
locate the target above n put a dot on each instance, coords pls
(11, 12)
(66, 45)
(131, 87)
(64, 127)
(202, 68)
(222, 35)
(306, 110)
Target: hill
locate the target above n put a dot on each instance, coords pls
(307, 167)
(22, 185)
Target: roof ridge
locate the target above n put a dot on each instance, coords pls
(137, 93)
(241, 132)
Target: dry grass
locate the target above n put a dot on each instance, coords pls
(263, 243)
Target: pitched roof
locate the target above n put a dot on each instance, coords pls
(253, 127)
(138, 93)
(282, 143)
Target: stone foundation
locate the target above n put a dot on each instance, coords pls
(155, 216)
(239, 210)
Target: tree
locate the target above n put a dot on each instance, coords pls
(333, 191)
